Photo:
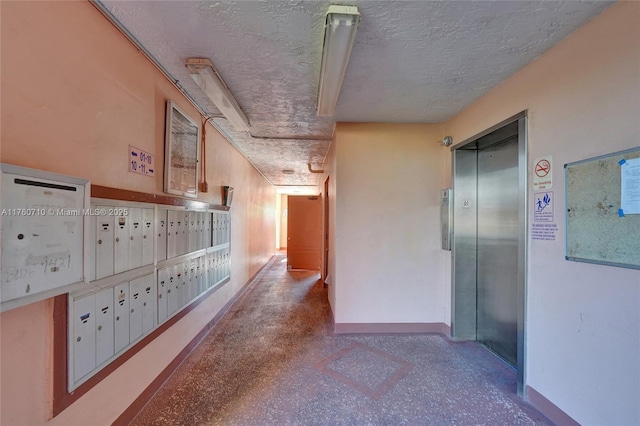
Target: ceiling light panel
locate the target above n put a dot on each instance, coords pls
(339, 35)
(207, 78)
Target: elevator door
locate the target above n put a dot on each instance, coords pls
(497, 248)
(489, 241)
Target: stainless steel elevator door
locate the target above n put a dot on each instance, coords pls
(497, 249)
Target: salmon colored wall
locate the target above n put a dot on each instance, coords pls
(583, 320)
(388, 260)
(26, 356)
(75, 94)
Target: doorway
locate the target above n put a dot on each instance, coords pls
(304, 233)
(489, 241)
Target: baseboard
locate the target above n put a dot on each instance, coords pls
(548, 408)
(138, 404)
(392, 328)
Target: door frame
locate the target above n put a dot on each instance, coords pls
(463, 278)
(325, 232)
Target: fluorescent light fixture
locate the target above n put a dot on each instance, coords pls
(339, 34)
(206, 76)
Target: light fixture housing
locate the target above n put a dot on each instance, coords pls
(206, 76)
(340, 29)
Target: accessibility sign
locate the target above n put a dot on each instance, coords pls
(543, 176)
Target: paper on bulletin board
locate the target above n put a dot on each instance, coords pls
(630, 187)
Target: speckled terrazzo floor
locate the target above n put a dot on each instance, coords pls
(272, 360)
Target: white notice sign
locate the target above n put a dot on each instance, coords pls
(543, 210)
(141, 162)
(630, 187)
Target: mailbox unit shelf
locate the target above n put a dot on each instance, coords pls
(147, 262)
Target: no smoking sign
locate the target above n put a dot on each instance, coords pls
(542, 177)
(543, 167)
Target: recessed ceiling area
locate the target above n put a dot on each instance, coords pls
(412, 62)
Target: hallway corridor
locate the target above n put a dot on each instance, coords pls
(274, 360)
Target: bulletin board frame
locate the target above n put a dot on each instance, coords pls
(597, 229)
(182, 153)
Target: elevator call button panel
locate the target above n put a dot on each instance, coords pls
(445, 218)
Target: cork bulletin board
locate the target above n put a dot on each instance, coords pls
(602, 219)
(182, 152)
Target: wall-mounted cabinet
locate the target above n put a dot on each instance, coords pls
(146, 263)
(44, 230)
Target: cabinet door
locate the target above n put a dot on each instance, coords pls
(215, 229)
(186, 282)
(202, 282)
(148, 232)
(173, 290)
(148, 304)
(209, 258)
(121, 312)
(172, 234)
(84, 336)
(135, 238)
(104, 249)
(163, 285)
(121, 245)
(184, 236)
(193, 231)
(161, 228)
(104, 326)
(135, 309)
(207, 229)
(227, 263)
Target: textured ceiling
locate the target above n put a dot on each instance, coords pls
(413, 61)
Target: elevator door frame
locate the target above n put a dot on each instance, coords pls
(464, 250)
